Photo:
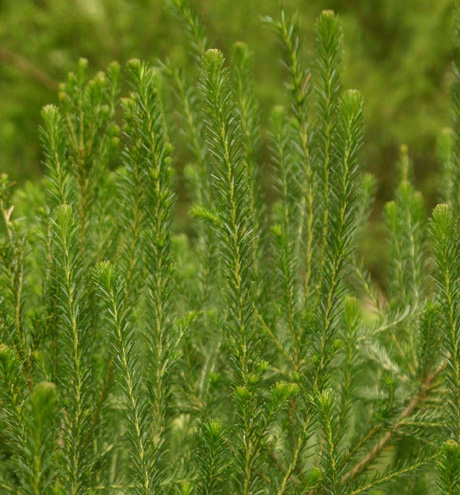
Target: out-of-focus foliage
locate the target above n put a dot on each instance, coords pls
(397, 55)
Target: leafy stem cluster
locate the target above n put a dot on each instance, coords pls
(250, 351)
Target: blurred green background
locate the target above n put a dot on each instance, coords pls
(397, 54)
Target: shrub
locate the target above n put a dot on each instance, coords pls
(254, 354)
(397, 55)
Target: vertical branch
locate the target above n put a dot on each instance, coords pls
(328, 58)
(212, 458)
(248, 113)
(75, 374)
(448, 469)
(288, 33)
(12, 279)
(27, 419)
(59, 178)
(88, 106)
(153, 149)
(444, 240)
(286, 211)
(193, 24)
(119, 315)
(345, 179)
(13, 414)
(330, 451)
(236, 236)
(406, 221)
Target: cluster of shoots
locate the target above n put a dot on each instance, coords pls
(211, 328)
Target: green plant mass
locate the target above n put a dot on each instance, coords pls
(232, 342)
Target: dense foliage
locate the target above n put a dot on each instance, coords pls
(252, 354)
(397, 55)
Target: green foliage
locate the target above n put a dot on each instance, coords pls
(250, 353)
(448, 468)
(212, 458)
(133, 387)
(397, 55)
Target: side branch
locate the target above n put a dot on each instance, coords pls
(417, 399)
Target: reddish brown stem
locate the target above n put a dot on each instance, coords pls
(417, 399)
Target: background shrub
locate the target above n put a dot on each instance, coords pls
(397, 55)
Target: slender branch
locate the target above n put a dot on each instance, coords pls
(391, 476)
(417, 399)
